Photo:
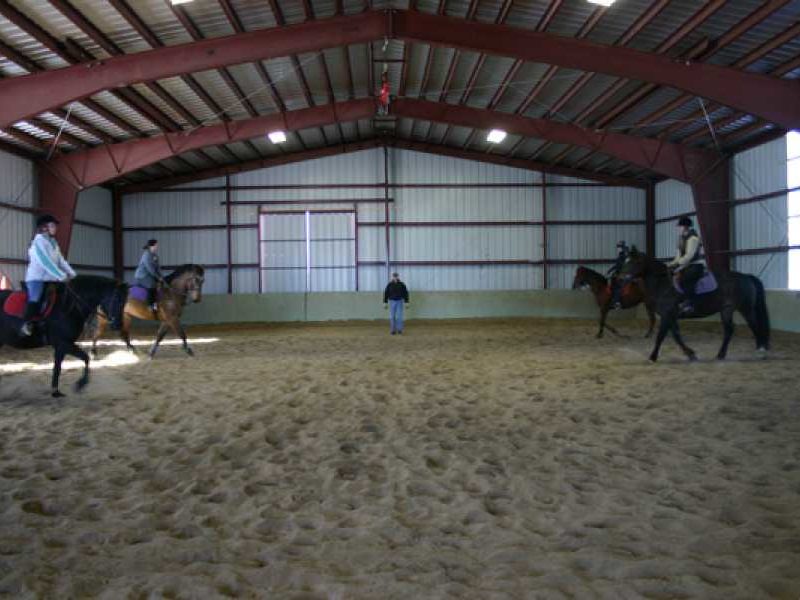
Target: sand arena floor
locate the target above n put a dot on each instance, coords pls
(473, 459)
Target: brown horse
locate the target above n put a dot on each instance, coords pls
(632, 295)
(184, 286)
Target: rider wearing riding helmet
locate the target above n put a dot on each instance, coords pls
(46, 265)
(614, 271)
(688, 264)
(148, 273)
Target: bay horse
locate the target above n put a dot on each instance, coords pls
(74, 303)
(735, 292)
(184, 286)
(632, 295)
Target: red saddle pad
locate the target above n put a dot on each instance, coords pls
(15, 305)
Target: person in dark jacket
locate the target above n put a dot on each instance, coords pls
(148, 273)
(613, 274)
(396, 295)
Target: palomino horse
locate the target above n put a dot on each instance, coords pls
(184, 286)
(734, 292)
(63, 324)
(632, 295)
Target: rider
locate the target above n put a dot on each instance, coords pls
(148, 273)
(614, 271)
(46, 265)
(688, 264)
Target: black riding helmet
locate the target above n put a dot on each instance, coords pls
(149, 244)
(45, 220)
(684, 222)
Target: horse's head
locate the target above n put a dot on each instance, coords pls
(188, 281)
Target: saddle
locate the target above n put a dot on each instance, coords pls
(15, 304)
(705, 285)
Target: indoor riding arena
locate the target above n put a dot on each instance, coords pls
(475, 299)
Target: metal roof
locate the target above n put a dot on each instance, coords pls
(419, 70)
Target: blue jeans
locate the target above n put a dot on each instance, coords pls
(35, 290)
(396, 315)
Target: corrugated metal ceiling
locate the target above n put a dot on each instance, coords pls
(351, 67)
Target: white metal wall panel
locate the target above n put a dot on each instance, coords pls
(17, 187)
(673, 198)
(772, 269)
(244, 246)
(91, 246)
(203, 247)
(174, 208)
(216, 182)
(17, 180)
(16, 232)
(245, 281)
(95, 205)
(468, 243)
(417, 167)
(566, 242)
(510, 277)
(666, 239)
(485, 204)
(358, 167)
(760, 170)
(596, 203)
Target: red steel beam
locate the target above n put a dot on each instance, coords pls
(672, 160)
(97, 165)
(738, 89)
(21, 97)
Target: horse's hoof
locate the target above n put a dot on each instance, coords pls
(80, 385)
(57, 394)
(189, 351)
(692, 358)
(653, 359)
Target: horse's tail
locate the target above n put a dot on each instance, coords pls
(761, 315)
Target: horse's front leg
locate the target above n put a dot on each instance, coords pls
(662, 333)
(58, 357)
(676, 335)
(100, 327)
(603, 316)
(180, 332)
(162, 331)
(651, 314)
(125, 332)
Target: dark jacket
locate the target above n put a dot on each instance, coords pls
(619, 263)
(395, 291)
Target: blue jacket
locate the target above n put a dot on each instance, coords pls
(148, 273)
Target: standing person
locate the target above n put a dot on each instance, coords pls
(613, 273)
(396, 294)
(46, 265)
(688, 264)
(148, 273)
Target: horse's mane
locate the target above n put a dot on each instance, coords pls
(182, 270)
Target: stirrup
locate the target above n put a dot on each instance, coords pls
(26, 330)
(686, 307)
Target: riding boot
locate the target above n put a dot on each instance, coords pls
(31, 310)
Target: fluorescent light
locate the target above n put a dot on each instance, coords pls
(496, 136)
(174, 2)
(602, 2)
(277, 137)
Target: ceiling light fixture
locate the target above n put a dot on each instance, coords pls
(602, 2)
(175, 2)
(496, 136)
(277, 137)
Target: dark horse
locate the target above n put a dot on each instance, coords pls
(184, 285)
(76, 302)
(632, 295)
(735, 292)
